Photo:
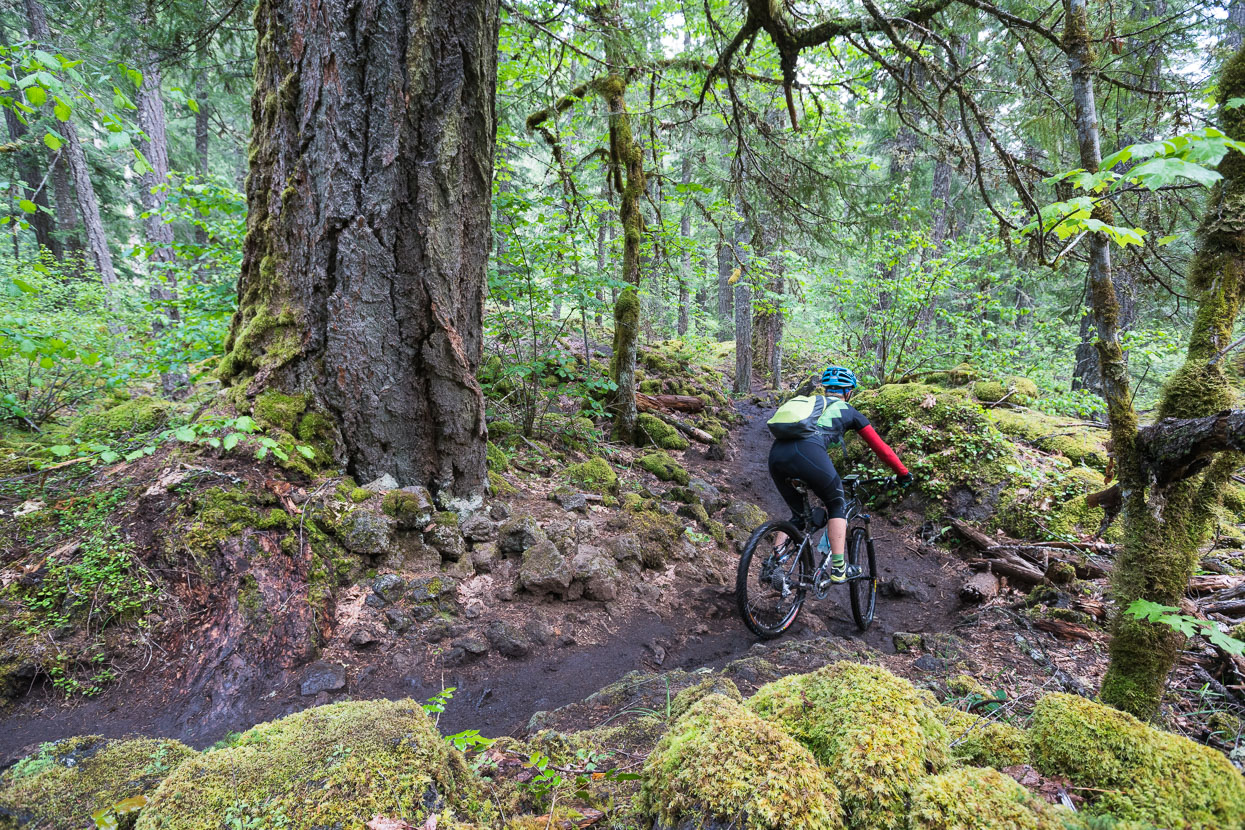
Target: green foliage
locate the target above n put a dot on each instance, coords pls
(1188, 626)
(595, 474)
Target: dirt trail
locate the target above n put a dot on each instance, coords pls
(498, 695)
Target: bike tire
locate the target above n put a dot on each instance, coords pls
(744, 588)
(863, 591)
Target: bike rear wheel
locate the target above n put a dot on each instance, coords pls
(864, 589)
(770, 586)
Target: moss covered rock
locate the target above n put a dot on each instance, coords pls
(331, 766)
(1079, 444)
(989, 391)
(66, 782)
(664, 467)
(496, 458)
(874, 730)
(595, 474)
(1136, 772)
(720, 762)
(981, 742)
(281, 411)
(136, 416)
(980, 799)
(650, 429)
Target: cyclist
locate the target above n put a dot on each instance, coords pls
(805, 429)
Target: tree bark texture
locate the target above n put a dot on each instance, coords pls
(88, 205)
(726, 293)
(363, 278)
(1170, 478)
(202, 132)
(66, 211)
(743, 316)
(685, 275)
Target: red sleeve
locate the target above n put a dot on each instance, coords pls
(882, 450)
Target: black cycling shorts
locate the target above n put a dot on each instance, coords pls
(806, 460)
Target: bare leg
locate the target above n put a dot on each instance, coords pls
(837, 531)
(780, 539)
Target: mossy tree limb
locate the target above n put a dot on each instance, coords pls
(362, 283)
(1172, 473)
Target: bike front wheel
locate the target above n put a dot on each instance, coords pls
(771, 583)
(863, 587)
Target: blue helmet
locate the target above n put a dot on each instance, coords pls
(838, 377)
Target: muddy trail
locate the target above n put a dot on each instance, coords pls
(694, 625)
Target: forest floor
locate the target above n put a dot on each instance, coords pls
(660, 633)
(691, 623)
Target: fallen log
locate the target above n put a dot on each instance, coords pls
(973, 535)
(1095, 608)
(1063, 629)
(678, 403)
(980, 587)
(1015, 570)
(1209, 583)
(1231, 607)
(698, 435)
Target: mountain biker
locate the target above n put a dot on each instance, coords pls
(806, 457)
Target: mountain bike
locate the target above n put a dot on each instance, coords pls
(773, 581)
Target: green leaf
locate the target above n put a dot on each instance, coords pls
(109, 456)
(1159, 172)
(185, 434)
(53, 141)
(193, 104)
(28, 206)
(60, 450)
(1233, 103)
(36, 95)
(62, 111)
(245, 423)
(231, 440)
(306, 452)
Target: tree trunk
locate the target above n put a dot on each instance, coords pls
(726, 302)
(627, 155)
(66, 212)
(767, 316)
(940, 203)
(361, 294)
(685, 230)
(88, 205)
(152, 183)
(743, 319)
(202, 168)
(603, 258)
(1234, 26)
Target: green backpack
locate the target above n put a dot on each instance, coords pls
(798, 417)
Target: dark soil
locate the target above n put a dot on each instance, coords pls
(693, 624)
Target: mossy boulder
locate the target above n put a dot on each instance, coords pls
(136, 416)
(713, 684)
(278, 410)
(720, 765)
(496, 458)
(980, 799)
(664, 467)
(989, 391)
(66, 782)
(1079, 444)
(982, 742)
(650, 429)
(410, 507)
(595, 474)
(330, 766)
(946, 439)
(874, 730)
(1133, 771)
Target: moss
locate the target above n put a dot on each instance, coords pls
(943, 434)
(1025, 390)
(715, 428)
(1134, 771)
(635, 502)
(595, 474)
(62, 784)
(980, 799)
(501, 429)
(963, 374)
(989, 391)
(315, 428)
(358, 495)
(653, 430)
(981, 742)
(875, 730)
(650, 387)
(713, 684)
(721, 762)
(1080, 445)
(496, 459)
(498, 485)
(136, 416)
(330, 766)
(664, 467)
(282, 411)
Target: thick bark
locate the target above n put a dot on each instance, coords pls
(940, 202)
(603, 254)
(152, 183)
(1234, 26)
(362, 284)
(726, 302)
(767, 317)
(66, 212)
(685, 230)
(202, 134)
(75, 156)
(743, 319)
